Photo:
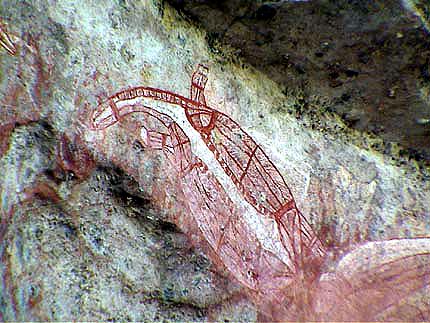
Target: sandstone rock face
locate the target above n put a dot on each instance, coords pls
(365, 61)
(96, 226)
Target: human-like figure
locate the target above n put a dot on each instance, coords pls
(377, 281)
(219, 220)
(243, 160)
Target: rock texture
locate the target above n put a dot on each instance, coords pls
(80, 240)
(363, 60)
(87, 218)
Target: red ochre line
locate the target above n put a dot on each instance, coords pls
(159, 95)
(186, 104)
(290, 205)
(268, 185)
(233, 130)
(114, 111)
(170, 97)
(266, 173)
(246, 151)
(248, 164)
(6, 42)
(261, 150)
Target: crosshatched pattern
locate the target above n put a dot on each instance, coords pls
(286, 283)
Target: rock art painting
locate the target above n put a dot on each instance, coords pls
(247, 215)
(6, 41)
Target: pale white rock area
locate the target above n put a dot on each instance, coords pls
(98, 248)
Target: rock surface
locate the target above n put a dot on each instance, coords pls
(367, 62)
(87, 217)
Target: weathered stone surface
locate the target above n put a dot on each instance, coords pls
(93, 250)
(366, 61)
(86, 231)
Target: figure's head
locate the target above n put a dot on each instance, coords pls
(105, 115)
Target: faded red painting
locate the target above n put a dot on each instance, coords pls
(244, 213)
